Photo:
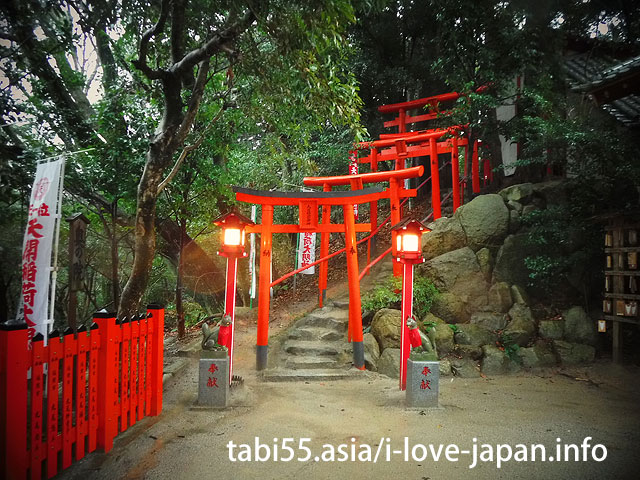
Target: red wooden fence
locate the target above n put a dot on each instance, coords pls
(65, 399)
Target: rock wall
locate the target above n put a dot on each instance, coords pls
(482, 321)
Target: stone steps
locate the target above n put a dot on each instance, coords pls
(315, 348)
(312, 362)
(312, 347)
(329, 318)
(307, 375)
(315, 333)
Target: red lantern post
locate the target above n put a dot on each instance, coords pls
(408, 251)
(233, 239)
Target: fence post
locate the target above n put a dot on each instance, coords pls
(14, 363)
(107, 375)
(157, 359)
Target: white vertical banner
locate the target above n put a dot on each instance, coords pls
(353, 170)
(407, 183)
(37, 247)
(307, 252)
(504, 113)
(252, 255)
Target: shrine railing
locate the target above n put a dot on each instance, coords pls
(75, 394)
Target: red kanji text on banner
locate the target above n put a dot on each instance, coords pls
(37, 246)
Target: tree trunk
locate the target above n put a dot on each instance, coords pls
(4, 303)
(145, 239)
(172, 131)
(115, 282)
(179, 306)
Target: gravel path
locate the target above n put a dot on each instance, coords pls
(600, 401)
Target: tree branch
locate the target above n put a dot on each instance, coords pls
(194, 102)
(141, 62)
(177, 31)
(72, 116)
(219, 42)
(188, 149)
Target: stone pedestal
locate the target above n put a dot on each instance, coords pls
(213, 378)
(423, 381)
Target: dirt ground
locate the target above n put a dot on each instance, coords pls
(600, 401)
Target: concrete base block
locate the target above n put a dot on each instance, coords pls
(423, 382)
(213, 379)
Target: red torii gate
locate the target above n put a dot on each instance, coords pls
(399, 147)
(308, 203)
(402, 145)
(395, 194)
(419, 145)
(402, 120)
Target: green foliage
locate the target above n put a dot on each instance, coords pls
(386, 295)
(453, 327)
(389, 295)
(550, 231)
(282, 85)
(424, 294)
(428, 326)
(286, 104)
(193, 313)
(510, 348)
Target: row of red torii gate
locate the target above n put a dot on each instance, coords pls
(397, 148)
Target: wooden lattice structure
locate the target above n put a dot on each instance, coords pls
(622, 277)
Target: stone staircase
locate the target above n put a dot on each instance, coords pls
(314, 348)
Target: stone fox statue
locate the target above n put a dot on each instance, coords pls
(419, 341)
(217, 336)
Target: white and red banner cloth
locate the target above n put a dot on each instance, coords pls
(353, 170)
(307, 252)
(252, 255)
(37, 246)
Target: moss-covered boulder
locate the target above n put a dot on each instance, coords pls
(497, 362)
(490, 320)
(389, 363)
(441, 337)
(499, 297)
(464, 288)
(520, 193)
(485, 221)
(510, 266)
(574, 353)
(474, 335)
(446, 235)
(551, 329)
(521, 328)
(538, 356)
(465, 367)
(371, 352)
(385, 327)
(578, 327)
